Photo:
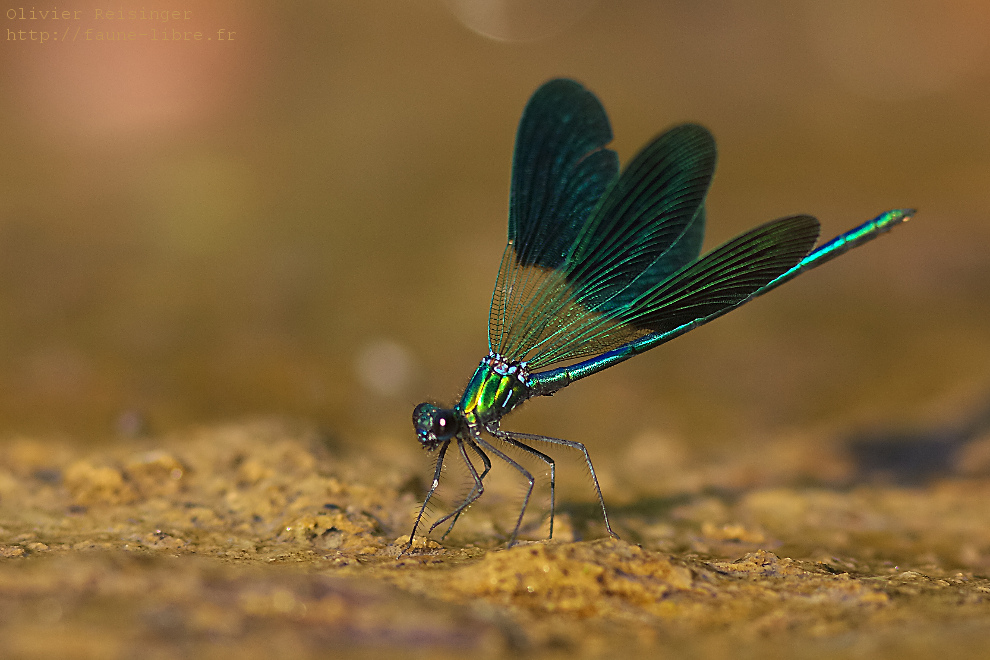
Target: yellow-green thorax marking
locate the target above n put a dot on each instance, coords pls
(495, 388)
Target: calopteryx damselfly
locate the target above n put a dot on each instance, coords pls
(601, 266)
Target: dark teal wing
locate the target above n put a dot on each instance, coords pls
(721, 280)
(650, 224)
(678, 306)
(584, 243)
(726, 276)
(560, 170)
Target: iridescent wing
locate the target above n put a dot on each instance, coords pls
(584, 244)
(724, 278)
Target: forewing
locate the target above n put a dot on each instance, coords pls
(560, 170)
(648, 225)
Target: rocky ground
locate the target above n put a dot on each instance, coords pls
(263, 540)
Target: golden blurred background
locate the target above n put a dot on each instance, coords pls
(302, 213)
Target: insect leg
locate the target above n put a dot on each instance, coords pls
(587, 459)
(510, 437)
(523, 471)
(433, 488)
(476, 490)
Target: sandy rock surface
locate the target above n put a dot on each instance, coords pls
(263, 540)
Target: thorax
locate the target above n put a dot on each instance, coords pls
(496, 387)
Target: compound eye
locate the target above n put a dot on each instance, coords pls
(445, 424)
(434, 425)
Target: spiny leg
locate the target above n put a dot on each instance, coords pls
(523, 471)
(481, 478)
(433, 488)
(509, 437)
(476, 490)
(484, 459)
(587, 459)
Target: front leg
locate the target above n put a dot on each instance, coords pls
(476, 490)
(433, 488)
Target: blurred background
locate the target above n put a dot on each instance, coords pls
(302, 213)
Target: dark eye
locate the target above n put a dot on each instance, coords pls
(445, 424)
(434, 425)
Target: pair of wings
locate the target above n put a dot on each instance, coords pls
(596, 259)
